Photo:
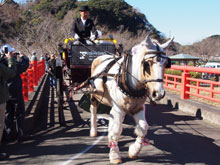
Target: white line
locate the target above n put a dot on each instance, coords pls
(87, 149)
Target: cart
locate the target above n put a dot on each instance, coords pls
(76, 69)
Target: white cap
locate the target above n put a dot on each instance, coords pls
(33, 53)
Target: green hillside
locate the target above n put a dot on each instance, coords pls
(42, 24)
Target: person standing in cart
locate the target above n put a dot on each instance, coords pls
(83, 29)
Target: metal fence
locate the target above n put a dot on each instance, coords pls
(188, 86)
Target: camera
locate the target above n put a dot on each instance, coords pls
(5, 49)
(17, 54)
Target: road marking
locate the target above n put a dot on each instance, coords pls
(87, 149)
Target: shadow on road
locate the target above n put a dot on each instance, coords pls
(177, 141)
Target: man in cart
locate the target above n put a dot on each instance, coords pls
(83, 29)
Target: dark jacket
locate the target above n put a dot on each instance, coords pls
(5, 74)
(15, 83)
(52, 66)
(83, 32)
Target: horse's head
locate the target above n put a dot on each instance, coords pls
(153, 60)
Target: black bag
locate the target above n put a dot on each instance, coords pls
(85, 103)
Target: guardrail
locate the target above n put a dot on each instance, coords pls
(32, 76)
(185, 84)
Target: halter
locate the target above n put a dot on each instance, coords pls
(160, 54)
(123, 84)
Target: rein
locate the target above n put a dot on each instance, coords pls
(123, 84)
(123, 74)
(104, 74)
(85, 46)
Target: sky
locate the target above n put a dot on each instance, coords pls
(188, 21)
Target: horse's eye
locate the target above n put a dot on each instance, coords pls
(146, 68)
(158, 59)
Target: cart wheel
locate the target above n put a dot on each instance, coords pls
(60, 102)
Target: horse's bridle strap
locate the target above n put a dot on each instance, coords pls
(153, 80)
(155, 52)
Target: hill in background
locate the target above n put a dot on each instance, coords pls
(42, 24)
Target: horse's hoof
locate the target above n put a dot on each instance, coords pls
(132, 156)
(116, 161)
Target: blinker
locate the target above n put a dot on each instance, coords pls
(168, 62)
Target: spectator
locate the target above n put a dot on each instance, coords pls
(33, 53)
(120, 49)
(7, 71)
(15, 107)
(83, 29)
(47, 58)
(52, 70)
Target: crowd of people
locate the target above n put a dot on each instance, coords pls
(14, 63)
(12, 107)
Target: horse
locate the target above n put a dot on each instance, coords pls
(124, 83)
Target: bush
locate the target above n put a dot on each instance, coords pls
(36, 21)
(195, 75)
(64, 7)
(115, 13)
(179, 73)
(173, 72)
(60, 14)
(44, 5)
(28, 14)
(18, 24)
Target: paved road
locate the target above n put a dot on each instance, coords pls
(175, 138)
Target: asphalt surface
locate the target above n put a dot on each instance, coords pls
(174, 138)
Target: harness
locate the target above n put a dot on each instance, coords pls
(123, 74)
(102, 74)
(123, 81)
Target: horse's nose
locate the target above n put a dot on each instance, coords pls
(158, 95)
(154, 94)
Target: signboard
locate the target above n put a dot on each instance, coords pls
(84, 55)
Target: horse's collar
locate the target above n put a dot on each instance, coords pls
(135, 95)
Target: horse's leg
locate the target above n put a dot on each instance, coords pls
(140, 131)
(114, 131)
(93, 110)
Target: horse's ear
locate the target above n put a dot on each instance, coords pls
(148, 41)
(134, 50)
(167, 44)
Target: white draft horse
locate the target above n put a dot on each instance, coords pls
(124, 84)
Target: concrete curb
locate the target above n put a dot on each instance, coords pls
(202, 111)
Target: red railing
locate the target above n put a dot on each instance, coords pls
(188, 86)
(32, 77)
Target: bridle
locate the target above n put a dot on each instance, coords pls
(123, 80)
(161, 55)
